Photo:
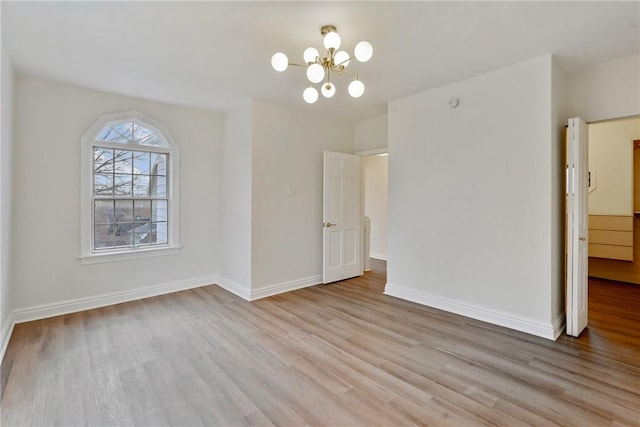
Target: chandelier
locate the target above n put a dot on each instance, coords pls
(334, 63)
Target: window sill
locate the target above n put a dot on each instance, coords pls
(99, 258)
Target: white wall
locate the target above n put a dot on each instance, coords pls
(371, 134)
(6, 185)
(611, 159)
(50, 119)
(559, 119)
(234, 247)
(287, 193)
(607, 91)
(375, 185)
(472, 198)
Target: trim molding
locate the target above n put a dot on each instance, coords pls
(378, 256)
(79, 304)
(544, 330)
(285, 287)
(6, 335)
(373, 152)
(234, 287)
(128, 255)
(559, 325)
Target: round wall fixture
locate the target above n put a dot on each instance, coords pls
(454, 102)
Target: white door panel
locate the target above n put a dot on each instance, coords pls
(577, 227)
(341, 217)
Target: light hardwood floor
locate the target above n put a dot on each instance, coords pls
(339, 355)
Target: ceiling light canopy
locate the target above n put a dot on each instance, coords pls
(334, 63)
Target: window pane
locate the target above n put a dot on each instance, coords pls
(160, 233)
(125, 130)
(124, 210)
(103, 237)
(103, 184)
(123, 238)
(111, 134)
(142, 211)
(145, 136)
(152, 140)
(140, 163)
(158, 164)
(141, 186)
(102, 160)
(103, 212)
(122, 185)
(123, 161)
(159, 210)
(142, 234)
(122, 219)
(158, 186)
(130, 131)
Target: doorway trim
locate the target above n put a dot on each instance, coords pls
(375, 151)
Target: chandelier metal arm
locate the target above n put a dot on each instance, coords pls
(346, 60)
(346, 70)
(328, 65)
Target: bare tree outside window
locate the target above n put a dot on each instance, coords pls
(130, 197)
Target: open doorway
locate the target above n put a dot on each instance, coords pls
(612, 259)
(614, 225)
(375, 172)
(614, 229)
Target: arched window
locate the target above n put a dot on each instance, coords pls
(129, 189)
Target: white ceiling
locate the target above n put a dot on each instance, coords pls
(215, 54)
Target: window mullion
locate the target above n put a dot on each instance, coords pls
(127, 146)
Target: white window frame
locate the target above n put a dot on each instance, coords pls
(89, 255)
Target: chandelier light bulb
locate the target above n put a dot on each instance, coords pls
(310, 54)
(332, 40)
(341, 58)
(363, 51)
(315, 73)
(356, 88)
(279, 61)
(310, 95)
(328, 89)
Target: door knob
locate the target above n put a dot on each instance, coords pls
(582, 238)
(328, 224)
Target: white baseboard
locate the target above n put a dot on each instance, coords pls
(28, 314)
(234, 287)
(378, 256)
(529, 326)
(558, 326)
(71, 306)
(7, 330)
(285, 287)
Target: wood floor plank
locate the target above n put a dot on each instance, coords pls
(19, 394)
(334, 355)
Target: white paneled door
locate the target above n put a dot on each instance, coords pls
(341, 226)
(577, 227)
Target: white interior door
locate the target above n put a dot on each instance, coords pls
(341, 224)
(577, 226)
